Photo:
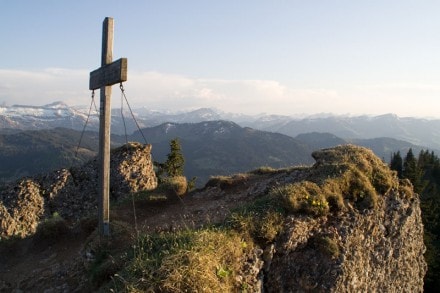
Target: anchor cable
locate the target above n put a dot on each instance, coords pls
(131, 112)
(121, 86)
(126, 142)
(86, 122)
(123, 119)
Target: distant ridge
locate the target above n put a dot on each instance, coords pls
(211, 148)
(418, 131)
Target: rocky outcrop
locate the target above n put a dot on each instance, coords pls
(375, 251)
(378, 248)
(72, 193)
(346, 224)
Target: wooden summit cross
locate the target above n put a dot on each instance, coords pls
(103, 78)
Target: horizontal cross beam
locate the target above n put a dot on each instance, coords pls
(109, 74)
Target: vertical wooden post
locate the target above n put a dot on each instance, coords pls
(104, 132)
(103, 78)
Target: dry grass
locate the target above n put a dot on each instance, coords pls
(406, 189)
(262, 227)
(188, 261)
(170, 188)
(265, 170)
(175, 186)
(345, 173)
(304, 196)
(224, 182)
(210, 265)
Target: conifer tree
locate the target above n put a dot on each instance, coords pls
(429, 165)
(412, 171)
(396, 163)
(175, 160)
(424, 174)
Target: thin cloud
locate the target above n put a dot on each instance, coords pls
(42, 87)
(175, 92)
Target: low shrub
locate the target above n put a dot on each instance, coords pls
(52, 227)
(173, 187)
(327, 245)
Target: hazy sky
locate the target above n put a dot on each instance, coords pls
(279, 57)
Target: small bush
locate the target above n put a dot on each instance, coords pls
(192, 184)
(53, 227)
(327, 245)
(270, 226)
(174, 186)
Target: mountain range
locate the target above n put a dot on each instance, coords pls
(39, 139)
(210, 148)
(418, 131)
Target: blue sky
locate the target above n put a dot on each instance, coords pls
(278, 57)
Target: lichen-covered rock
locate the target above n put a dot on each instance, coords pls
(132, 169)
(73, 193)
(377, 248)
(21, 208)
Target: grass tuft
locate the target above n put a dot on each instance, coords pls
(261, 220)
(306, 197)
(174, 186)
(185, 261)
(264, 170)
(224, 182)
(327, 245)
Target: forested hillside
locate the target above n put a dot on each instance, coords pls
(31, 152)
(424, 173)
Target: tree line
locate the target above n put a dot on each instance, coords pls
(424, 173)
